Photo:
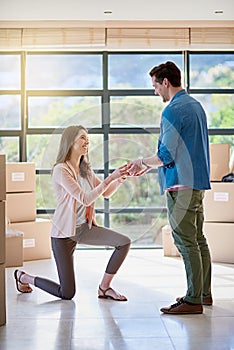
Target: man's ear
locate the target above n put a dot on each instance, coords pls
(166, 82)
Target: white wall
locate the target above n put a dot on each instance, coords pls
(29, 10)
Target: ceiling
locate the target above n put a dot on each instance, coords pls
(122, 10)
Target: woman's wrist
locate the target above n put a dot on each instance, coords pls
(110, 179)
(122, 179)
(107, 180)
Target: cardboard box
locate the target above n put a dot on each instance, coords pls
(219, 161)
(20, 177)
(220, 238)
(14, 248)
(2, 233)
(219, 202)
(21, 207)
(2, 177)
(2, 295)
(36, 241)
(168, 242)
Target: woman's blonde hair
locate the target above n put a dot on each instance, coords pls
(67, 140)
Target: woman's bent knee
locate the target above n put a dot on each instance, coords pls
(127, 242)
(68, 295)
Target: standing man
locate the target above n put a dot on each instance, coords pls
(183, 171)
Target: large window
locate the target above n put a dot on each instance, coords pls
(211, 77)
(209, 71)
(10, 72)
(112, 95)
(128, 71)
(53, 111)
(219, 109)
(10, 111)
(132, 111)
(63, 72)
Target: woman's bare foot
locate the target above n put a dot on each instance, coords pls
(109, 293)
(21, 285)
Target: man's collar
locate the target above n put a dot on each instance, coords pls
(178, 93)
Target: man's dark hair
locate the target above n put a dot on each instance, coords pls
(167, 70)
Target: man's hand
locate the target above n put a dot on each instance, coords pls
(137, 168)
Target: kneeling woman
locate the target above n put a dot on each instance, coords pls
(76, 188)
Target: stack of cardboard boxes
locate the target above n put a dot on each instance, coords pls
(21, 217)
(2, 240)
(219, 207)
(20, 207)
(169, 247)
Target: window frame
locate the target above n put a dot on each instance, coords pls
(106, 129)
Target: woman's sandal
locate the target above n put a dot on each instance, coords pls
(105, 296)
(17, 282)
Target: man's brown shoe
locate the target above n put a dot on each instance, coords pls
(205, 300)
(182, 308)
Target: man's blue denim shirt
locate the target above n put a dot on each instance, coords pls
(183, 144)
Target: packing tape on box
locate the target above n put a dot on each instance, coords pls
(13, 233)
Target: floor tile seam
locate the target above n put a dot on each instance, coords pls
(218, 284)
(110, 336)
(116, 318)
(131, 318)
(166, 330)
(17, 319)
(221, 316)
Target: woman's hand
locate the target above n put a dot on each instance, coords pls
(138, 168)
(120, 173)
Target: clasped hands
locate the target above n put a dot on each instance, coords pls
(132, 168)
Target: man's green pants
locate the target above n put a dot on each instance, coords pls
(185, 214)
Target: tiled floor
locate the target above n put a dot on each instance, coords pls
(150, 280)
